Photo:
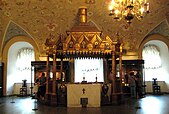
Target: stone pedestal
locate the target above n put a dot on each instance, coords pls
(117, 98)
(87, 95)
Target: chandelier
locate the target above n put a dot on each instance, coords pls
(128, 9)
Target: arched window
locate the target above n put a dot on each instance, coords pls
(152, 65)
(23, 63)
(24, 58)
(151, 56)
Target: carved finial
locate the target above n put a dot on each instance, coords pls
(83, 15)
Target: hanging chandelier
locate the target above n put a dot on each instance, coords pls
(128, 9)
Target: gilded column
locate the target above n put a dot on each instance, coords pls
(61, 70)
(47, 74)
(105, 70)
(120, 67)
(113, 72)
(54, 75)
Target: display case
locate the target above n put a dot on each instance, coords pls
(40, 66)
(130, 67)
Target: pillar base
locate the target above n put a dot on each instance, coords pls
(117, 98)
(47, 98)
(51, 99)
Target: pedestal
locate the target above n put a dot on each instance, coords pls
(83, 95)
(117, 98)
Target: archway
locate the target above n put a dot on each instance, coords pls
(22, 41)
(161, 73)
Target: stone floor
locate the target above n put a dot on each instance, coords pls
(147, 105)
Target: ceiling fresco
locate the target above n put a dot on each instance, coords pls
(38, 19)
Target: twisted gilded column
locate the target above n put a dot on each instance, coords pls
(120, 68)
(50, 43)
(61, 70)
(113, 72)
(116, 97)
(47, 74)
(54, 75)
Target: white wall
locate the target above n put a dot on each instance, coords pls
(163, 73)
(162, 84)
(12, 75)
(17, 87)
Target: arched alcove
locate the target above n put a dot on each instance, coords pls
(163, 51)
(8, 52)
(15, 76)
(163, 75)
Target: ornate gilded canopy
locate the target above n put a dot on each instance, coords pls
(84, 40)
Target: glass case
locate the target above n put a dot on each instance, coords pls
(130, 68)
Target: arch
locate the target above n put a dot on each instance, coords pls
(5, 54)
(149, 38)
(12, 30)
(163, 43)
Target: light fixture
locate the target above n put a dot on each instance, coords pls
(128, 9)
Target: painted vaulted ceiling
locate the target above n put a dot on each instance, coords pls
(37, 19)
